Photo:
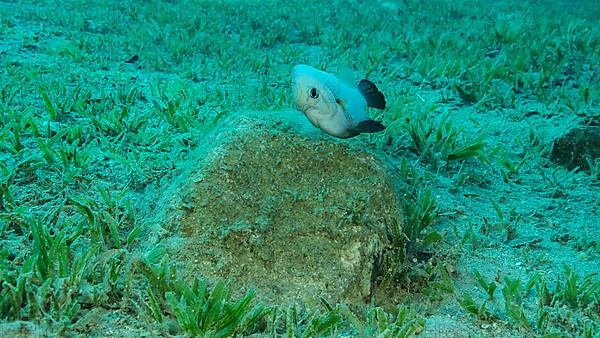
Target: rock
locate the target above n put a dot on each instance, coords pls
(291, 216)
(23, 329)
(578, 148)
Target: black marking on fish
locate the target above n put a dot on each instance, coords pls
(367, 126)
(372, 95)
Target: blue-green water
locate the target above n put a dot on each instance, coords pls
(152, 150)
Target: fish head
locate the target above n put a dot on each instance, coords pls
(315, 93)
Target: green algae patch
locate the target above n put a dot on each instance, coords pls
(291, 216)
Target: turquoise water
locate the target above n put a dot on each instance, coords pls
(163, 170)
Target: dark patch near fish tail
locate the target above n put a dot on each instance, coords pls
(368, 126)
(372, 95)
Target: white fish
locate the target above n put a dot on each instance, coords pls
(334, 106)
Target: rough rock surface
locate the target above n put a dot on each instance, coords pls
(578, 148)
(291, 216)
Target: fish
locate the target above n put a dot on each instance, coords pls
(334, 106)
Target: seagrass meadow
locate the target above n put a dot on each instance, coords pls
(157, 180)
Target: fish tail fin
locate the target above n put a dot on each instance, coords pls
(368, 126)
(372, 95)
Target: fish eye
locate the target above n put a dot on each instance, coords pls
(313, 93)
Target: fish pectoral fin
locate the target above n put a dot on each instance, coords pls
(368, 126)
(372, 95)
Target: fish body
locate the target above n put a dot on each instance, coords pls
(334, 106)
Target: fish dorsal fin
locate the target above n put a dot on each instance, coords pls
(372, 95)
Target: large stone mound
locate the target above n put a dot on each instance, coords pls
(290, 216)
(579, 148)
